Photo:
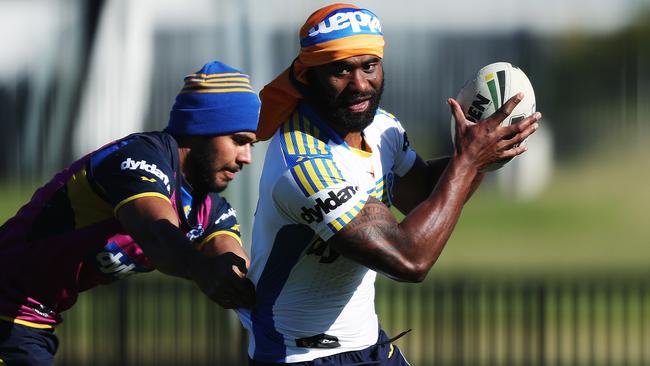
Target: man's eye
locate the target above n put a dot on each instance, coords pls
(240, 140)
(341, 72)
(369, 67)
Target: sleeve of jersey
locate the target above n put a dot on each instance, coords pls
(223, 222)
(136, 170)
(314, 193)
(404, 154)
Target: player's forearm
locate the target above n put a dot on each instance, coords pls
(168, 249)
(427, 228)
(153, 224)
(407, 251)
(475, 184)
(440, 211)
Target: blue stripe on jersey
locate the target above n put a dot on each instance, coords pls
(100, 155)
(326, 132)
(290, 242)
(307, 155)
(186, 201)
(301, 186)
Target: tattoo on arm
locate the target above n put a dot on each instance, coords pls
(374, 228)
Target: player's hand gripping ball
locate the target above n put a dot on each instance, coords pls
(492, 86)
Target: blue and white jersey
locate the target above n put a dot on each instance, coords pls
(311, 301)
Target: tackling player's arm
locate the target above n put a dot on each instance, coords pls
(406, 251)
(234, 289)
(153, 224)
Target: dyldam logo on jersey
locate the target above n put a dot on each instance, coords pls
(356, 20)
(323, 206)
(149, 168)
(231, 212)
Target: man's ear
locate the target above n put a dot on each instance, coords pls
(188, 141)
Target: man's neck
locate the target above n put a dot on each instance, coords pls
(354, 139)
(182, 156)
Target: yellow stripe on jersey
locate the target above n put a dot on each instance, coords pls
(300, 144)
(336, 224)
(26, 323)
(217, 233)
(314, 144)
(357, 208)
(286, 134)
(378, 191)
(140, 195)
(300, 140)
(313, 175)
(333, 169)
(348, 216)
(309, 127)
(303, 181)
(87, 206)
(326, 177)
(308, 157)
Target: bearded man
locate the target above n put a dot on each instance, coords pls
(335, 164)
(147, 201)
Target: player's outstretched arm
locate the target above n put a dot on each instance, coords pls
(153, 224)
(406, 251)
(224, 278)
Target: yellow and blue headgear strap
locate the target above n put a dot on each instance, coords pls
(332, 33)
(216, 100)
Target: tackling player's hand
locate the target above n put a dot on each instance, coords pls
(486, 142)
(223, 279)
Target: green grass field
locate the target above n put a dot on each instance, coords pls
(592, 217)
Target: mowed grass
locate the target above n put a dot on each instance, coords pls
(13, 196)
(593, 216)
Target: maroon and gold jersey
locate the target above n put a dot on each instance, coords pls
(67, 238)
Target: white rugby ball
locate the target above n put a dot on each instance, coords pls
(492, 86)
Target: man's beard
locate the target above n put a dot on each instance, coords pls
(335, 109)
(202, 176)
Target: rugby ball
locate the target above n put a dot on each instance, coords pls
(484, 94)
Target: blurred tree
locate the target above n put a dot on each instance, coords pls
(598, 84)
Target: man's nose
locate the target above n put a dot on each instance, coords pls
(359, 81)
(245, 155)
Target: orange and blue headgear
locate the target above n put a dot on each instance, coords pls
(216, 100)
(332, 33)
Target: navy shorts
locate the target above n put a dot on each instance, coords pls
(22, 345)
(384, 353)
